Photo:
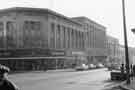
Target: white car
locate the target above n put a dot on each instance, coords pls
(100, 65)
(82, 67)
(91, 66)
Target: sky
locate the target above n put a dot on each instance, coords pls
(105, 12)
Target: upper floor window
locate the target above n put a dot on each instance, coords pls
(11, 28)
(10, 25)
(1, 26)
(52, 36)
(58, 32)
(32, 25)
(52, 30)
(1, 34)
(11, 34)
(32, 34)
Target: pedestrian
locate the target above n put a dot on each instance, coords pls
(133, 70)
(122, 68)
(5, 84)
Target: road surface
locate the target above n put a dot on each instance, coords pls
(98, 79)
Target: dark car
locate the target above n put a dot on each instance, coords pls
(117, 75)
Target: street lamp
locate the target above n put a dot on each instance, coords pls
(126, 44)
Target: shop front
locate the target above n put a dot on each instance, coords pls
(80, 57)
(97, 55)
(34, 59)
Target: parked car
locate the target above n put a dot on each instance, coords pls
(114, 67)
(117, 75)
(91, 66)
(81, 67)
(99, 65)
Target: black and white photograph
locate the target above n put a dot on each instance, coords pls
(67, 45)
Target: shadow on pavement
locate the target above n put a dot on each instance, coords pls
(109, 80)
(113, 88)
(112, 85)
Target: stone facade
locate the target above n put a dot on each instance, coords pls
(35, 38)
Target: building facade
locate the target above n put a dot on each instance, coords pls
(116, 52)
(40, 39)
(112, 45)
(132, 55)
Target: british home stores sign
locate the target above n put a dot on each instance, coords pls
(30, 52)
(58, 53)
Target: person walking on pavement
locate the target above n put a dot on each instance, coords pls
(5, 84)
(133, 70)
(122, 68)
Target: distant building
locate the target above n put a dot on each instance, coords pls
(116, 52)
(121, 53)
(112, 45)
(95, 40)
(132, 55)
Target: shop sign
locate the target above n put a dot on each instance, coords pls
(58, 53)
(77, 53)
(5, 54)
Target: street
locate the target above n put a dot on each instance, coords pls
(98, 79)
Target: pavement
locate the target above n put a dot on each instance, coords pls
(122, 85)
(130, 86)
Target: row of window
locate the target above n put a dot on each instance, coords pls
(10, 33)
(1, 35)
(60, 36)
(95, 38)
(31, 34)
(90, 27)
(65, 37)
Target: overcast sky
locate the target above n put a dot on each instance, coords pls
(105, 12)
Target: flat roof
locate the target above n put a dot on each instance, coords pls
(41, 10)
(86, 18)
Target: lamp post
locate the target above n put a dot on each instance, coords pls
(126, 44)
